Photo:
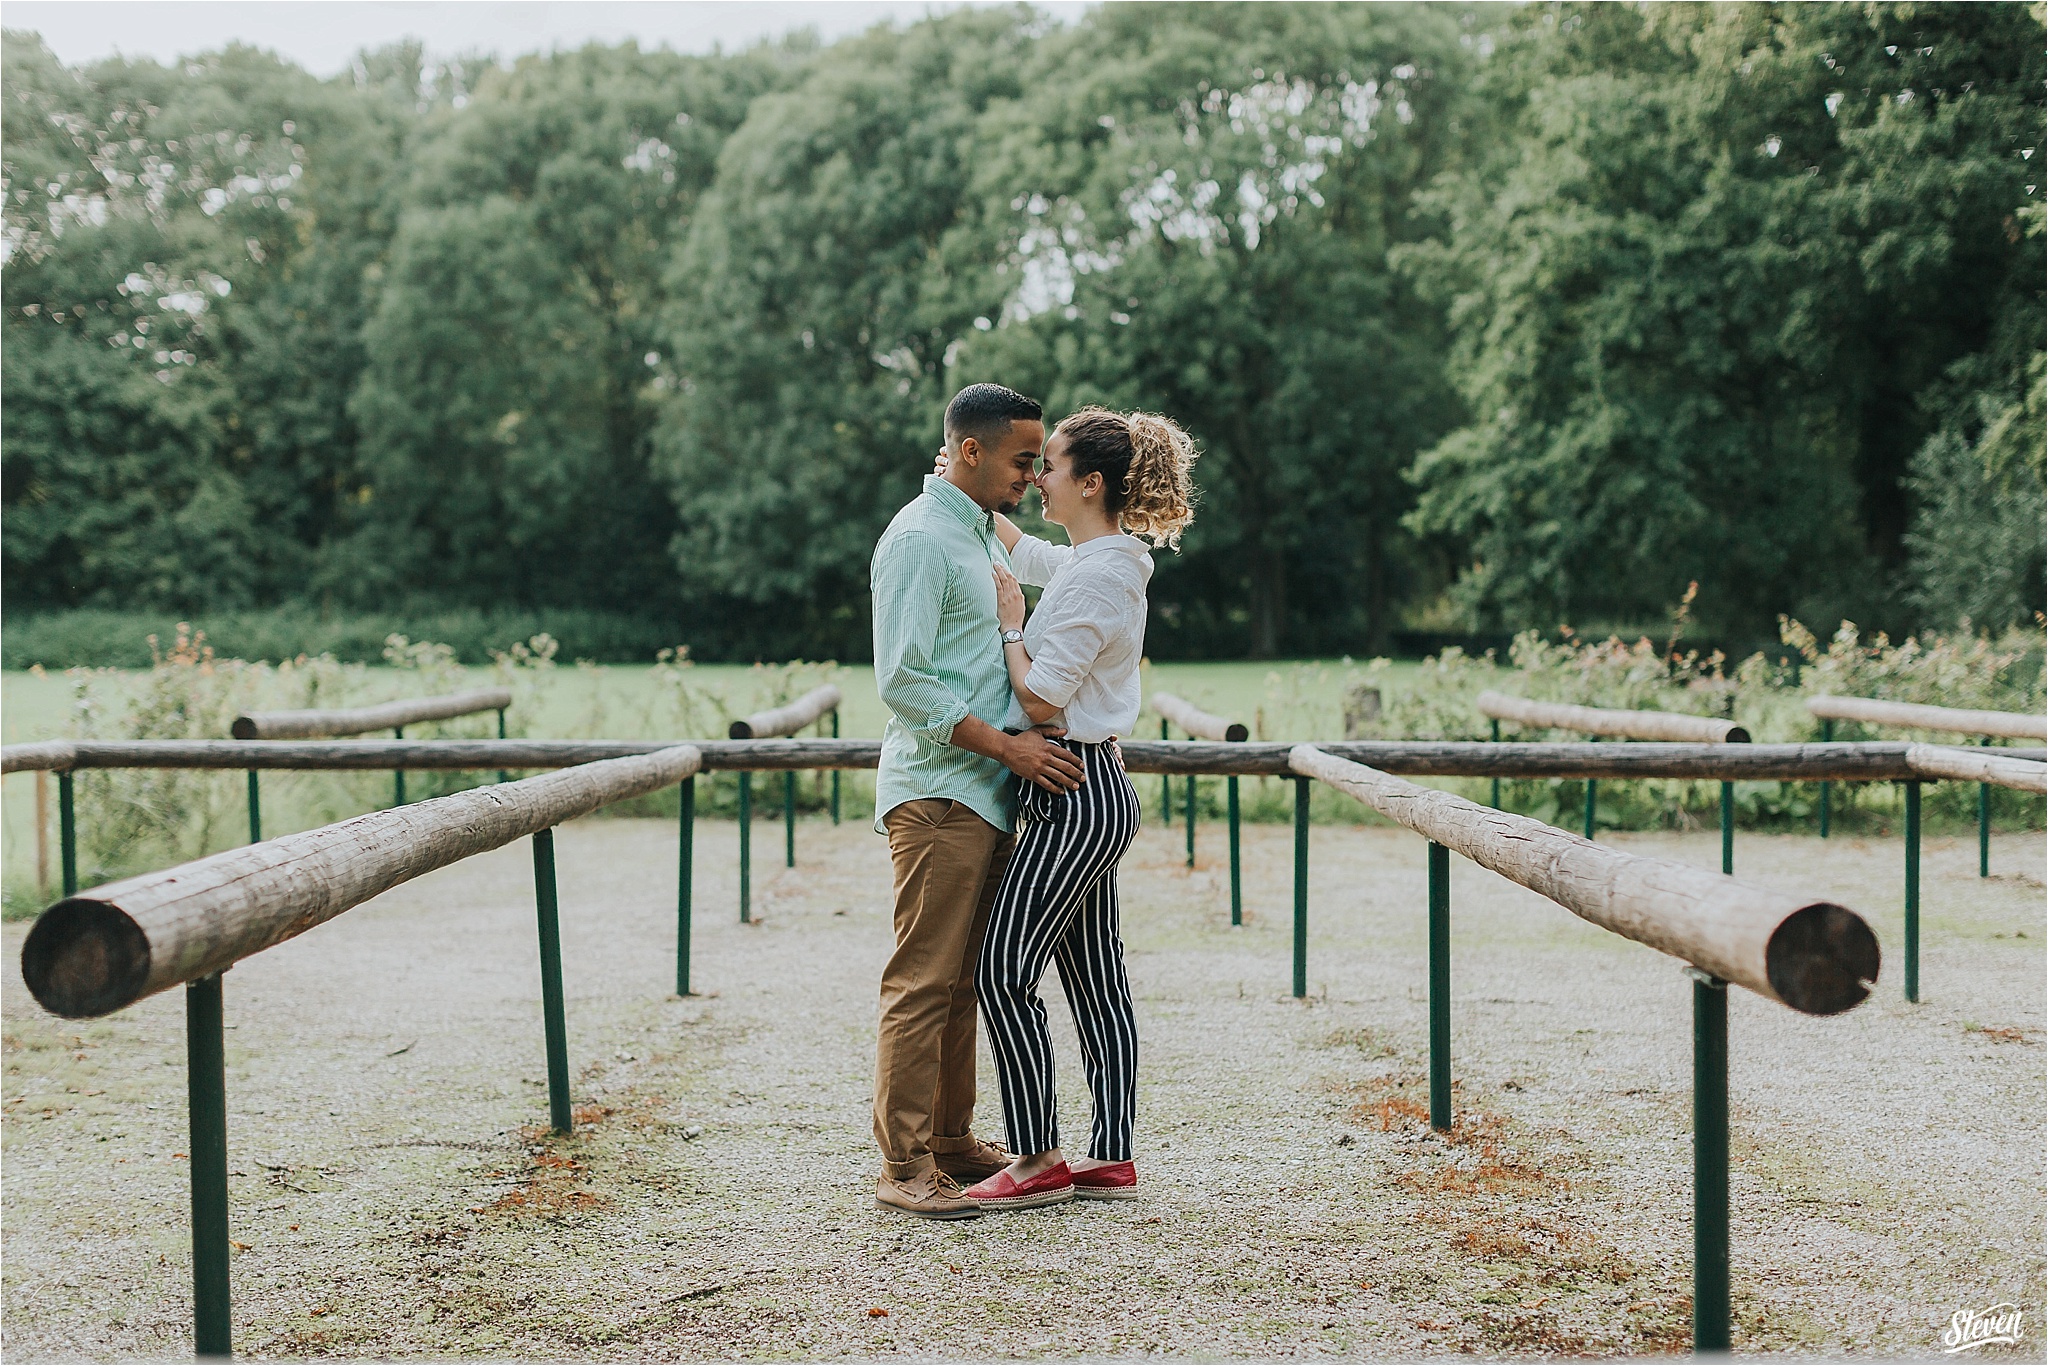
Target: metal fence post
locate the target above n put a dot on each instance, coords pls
(1827, 735)
(686, 849)
(1191, 820)
(1728, 828)
(1496, 782)
(1301, 795)
(206, 1102)
(255, 809)
(1591, 787)
(746, 845)
(789, 818)
(503, 776)
(42, 833)
(1913, 889)
(398, 774)
(1710, 1326)
(835, 772)
(1165, 787)
(551, 981)
(1984, 825)
(1236, 872)
(67, 834)
(1439, 986)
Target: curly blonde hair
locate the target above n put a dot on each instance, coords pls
(1146, 462)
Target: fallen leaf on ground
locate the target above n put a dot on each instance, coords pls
(239, 1247)
(878, 1313)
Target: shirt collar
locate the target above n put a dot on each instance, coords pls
(1128, 544)
(959, 504)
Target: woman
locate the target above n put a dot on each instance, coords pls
(1075, 668)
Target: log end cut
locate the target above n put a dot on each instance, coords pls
(739, 730)
(1822, 960)
(1237, 732)
(1736, 736)
(244, 728)
(84, 958)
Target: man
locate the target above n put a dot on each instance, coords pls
(943, 792)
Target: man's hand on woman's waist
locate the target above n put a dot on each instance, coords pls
(1033, 756)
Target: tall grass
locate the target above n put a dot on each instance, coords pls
(131, 820)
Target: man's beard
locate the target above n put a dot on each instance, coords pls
(1007, 508)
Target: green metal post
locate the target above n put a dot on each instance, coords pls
(1439, 987)
(789, 818)
(835, 772)
(551, 981)
(503, 776)
(1827, 733)
(1913, 889)
(255, 809)
(1301, 795)
(67, 833)
(398, 775)
(746, 846)
(1236, 872)
(1191, 820)
(1984, 826)
(1728, 828)
(686, 848)
(1496, 782)
(1165, 787)
(206, 1104)
(1710, 1327)
(1591, 786)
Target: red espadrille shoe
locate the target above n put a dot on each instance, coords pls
(1003, 1191)
(1110, 1181)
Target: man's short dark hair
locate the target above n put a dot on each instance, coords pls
(986, 411)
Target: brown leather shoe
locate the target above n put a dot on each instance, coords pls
(931, 1194)
(977, 1163)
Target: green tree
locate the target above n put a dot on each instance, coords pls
(833, 264)
(1703, 296)
(513, 357)
(1195, 209)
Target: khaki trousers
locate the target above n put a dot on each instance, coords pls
(949, 863)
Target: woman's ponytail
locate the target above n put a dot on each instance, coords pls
(1159, 497)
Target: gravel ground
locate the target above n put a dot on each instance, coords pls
(393, 1195)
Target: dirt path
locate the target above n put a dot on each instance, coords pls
(396, 1199)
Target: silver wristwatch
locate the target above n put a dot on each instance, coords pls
(1012, 637)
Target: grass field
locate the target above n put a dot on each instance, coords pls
(1279, 700)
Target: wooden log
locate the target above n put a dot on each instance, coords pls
(1813, 955)
(1633, 725)
(93, 953)
(299, 725)
(1197, 722)
(1915, 716)
(789, 719)
(1978, 766)
(1868, 761)
(39, 756)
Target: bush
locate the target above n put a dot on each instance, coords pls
(97, 639)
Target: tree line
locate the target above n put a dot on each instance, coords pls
(1484, 317)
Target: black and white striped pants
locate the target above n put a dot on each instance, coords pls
(1058, 901)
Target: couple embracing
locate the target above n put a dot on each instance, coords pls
(1004, 796)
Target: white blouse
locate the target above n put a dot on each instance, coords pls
(1088, 633)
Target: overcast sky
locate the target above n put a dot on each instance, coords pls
(322, 35)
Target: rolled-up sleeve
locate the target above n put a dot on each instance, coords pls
(1067, 645)
(1035, 560)
(909, 583)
